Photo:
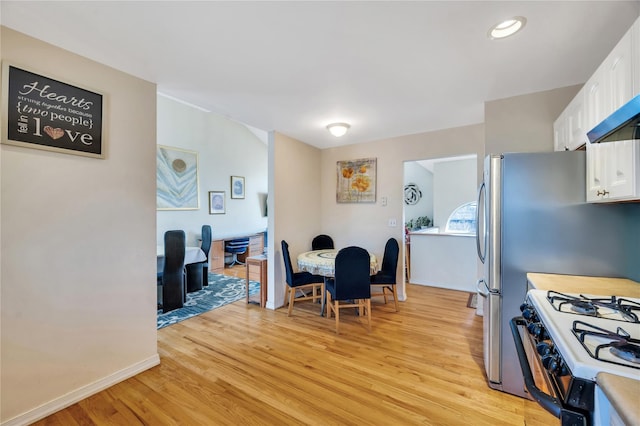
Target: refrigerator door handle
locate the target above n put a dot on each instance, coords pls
(482, 288)
(481, 253)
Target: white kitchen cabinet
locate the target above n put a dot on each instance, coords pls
(611, 86)
(561, 132)
(576, 130)
(569, 129)
(613, 168)
(613, 171)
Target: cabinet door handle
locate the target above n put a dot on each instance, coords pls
(603, 192)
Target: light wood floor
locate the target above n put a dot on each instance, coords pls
(242, 365)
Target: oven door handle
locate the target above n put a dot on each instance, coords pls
(549, 403)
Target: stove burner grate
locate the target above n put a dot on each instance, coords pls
(621, 345)
(591, 306)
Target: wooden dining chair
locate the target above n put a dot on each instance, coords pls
(350, 287)
(385, 280)
(300, 281)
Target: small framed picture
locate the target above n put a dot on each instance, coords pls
(216, 202)
(237, 187)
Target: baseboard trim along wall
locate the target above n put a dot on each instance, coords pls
(81, 393)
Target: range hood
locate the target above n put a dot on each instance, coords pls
(622, 125)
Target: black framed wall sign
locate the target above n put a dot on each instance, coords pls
(44, 113)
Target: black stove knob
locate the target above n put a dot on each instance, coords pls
(554, 364)
(546, 361)
(529, 314)
(537, 330)
(544, 348)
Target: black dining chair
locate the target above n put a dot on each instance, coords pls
(206, 247)
(350, 287)
(198, 273)
(300, 281)
(385, 279)
(322, 242)
(172, 279)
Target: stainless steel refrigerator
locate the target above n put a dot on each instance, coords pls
(532, 217)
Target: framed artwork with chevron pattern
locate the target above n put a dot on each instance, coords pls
(177, 179)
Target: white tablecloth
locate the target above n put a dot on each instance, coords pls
(322, 262)
(191, 254)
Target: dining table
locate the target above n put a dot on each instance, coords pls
(192, 254)
(323, 262)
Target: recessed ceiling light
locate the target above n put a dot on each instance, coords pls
(338, 129)
(507, 28)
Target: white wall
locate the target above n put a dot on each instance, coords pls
(454, 183)
(297, 207)
(415, 173)
(225, 148)
(78, 261)
(366, 225)
(525, 123)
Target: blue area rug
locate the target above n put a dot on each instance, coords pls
(222, 289)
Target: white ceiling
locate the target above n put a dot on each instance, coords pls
(389, 68)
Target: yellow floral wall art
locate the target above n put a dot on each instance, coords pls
(356, 181)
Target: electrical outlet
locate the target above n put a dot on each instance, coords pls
(393, 223)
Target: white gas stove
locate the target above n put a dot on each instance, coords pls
(592, 333)
(564, 340)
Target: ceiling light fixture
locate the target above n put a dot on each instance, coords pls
(338, 129)
(507, 28)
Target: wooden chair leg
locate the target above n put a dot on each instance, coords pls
(292, 294)
(384, 293)
(369, 314)
(328, 302)
(395, 296)
(337, 312)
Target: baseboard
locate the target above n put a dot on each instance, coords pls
(81, 393)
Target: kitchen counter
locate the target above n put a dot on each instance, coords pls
(444, 260)
(622, 393)
(584, 285)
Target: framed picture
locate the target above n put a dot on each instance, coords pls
(237, 187)
(356, 181)
(43, 113)
(177, 179)
(216, 202)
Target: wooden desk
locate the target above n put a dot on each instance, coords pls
(261, 262)
(216, 254)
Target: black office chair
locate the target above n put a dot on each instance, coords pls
(385, 278)
(234, 248)
(300, 281)
(322, 242)
(206, 247)
(173, 278)
(351, 287)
